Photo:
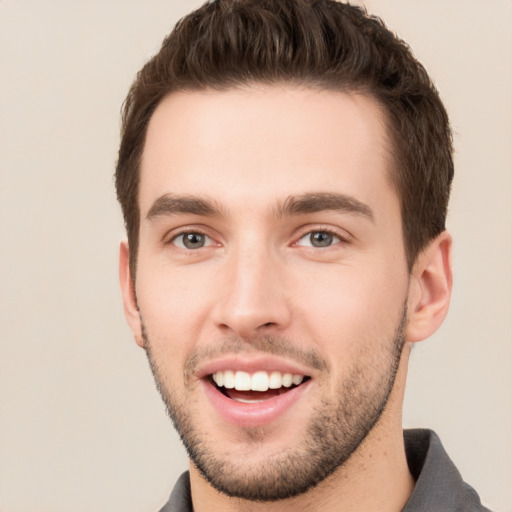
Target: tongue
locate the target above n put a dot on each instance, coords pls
(254, 395)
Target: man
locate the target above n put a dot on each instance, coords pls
(284, 174)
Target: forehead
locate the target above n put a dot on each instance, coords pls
(261, 142)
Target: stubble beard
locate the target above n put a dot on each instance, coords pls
(336, 429)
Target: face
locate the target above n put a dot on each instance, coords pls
(271, 280)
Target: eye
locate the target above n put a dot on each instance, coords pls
(192, 240)
(318, 239)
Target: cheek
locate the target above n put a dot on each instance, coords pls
(173, 304)
(344, 307)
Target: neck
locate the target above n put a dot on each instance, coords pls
(376, 478)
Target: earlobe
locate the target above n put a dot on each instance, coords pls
(131, 309)
(430, 289)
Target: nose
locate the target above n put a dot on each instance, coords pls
(253, 299)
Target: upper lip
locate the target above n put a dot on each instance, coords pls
(251, 365)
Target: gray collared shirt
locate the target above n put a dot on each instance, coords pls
(439, 486)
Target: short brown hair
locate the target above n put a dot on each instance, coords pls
(316, 43)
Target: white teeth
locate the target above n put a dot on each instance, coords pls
(287, 380)
(275, 381)
(297, 379)
(229, 379)
(259, 381)
(244, 401)
(242, 381)
(219, 378)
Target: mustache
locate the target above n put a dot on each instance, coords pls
(275, 345)
(268, 344)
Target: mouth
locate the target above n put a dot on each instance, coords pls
(253, 388)
(255, 391)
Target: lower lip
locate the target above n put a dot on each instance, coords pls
(255, 414)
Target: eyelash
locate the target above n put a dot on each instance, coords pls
(210, 240)
(326, 230)
(191, 231)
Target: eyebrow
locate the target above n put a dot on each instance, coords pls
(312, 202)
(170, 204)
(323, 201)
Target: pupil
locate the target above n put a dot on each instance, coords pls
(193, 240)
(321, 239)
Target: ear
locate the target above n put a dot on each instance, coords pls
(131, 308)
(430, 290)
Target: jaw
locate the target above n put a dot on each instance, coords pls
(378, 461)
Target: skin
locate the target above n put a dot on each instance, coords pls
(246, 152)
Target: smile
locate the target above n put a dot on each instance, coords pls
(254, 391)
(254, 388)
(259, 381)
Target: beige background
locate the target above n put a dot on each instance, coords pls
(81, 426)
